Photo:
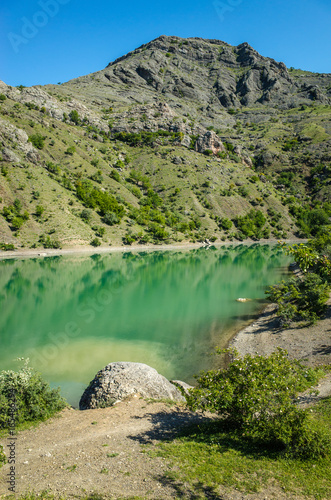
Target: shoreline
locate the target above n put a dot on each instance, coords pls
(81, 250)
(309, 344)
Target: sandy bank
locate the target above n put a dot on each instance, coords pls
(79, 249)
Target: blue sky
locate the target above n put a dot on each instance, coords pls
(51, 41)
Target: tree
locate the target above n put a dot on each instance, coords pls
(74, 117)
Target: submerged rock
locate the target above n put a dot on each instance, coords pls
(122, 379)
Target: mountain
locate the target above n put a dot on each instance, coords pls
(179, 140)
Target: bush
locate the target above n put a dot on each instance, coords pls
(34, 399)
(39, 210)
(225, 224)
(74, 117)
(86, 214)
(37, 140)
(110, 218)
(256, 396)
(7, 246)
(300, 299)
(70, 150)
(95, 242)
(115, 175)
(48, 243)
(251, 224)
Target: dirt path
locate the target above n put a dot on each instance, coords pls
(81, 452)
(102, 451)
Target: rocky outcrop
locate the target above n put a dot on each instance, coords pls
(14, 138)
(119, 380)
(209, 141)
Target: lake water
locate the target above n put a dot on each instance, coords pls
(72, 315)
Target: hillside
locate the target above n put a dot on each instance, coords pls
(179, 140)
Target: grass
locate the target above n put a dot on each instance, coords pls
(211, 455)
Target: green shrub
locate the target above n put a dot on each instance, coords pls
(2, 457)
(39, 210)
(86, 214)
(74, 117)
(47, 242)
(95, 242)
(300, 299)
(256, 396)
(17, 223)
(115, 175)
(225, 224)
(7, 246)
(70, 150)
(251, 224)
(110, 218)
(2, 97)
(34, 399)
(37, 140)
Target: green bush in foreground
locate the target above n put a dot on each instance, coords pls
(34, 400)
(256, 395)
(2, 456)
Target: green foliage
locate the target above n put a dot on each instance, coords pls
(39, 210)
(243, 191)
(2, 457)
(300, 299)
(34, 400)
(229, 147)
(95, 162)
(251, 224)
(225, 224)
(2, 97)
(54, 169)
(291, 144)
(256, 395)
(7, 246)
(208, 152)
(86, 214)
(110, 218)
(146, 138)
(115, 175)
(95, 198)
(17, 223)
(37, 140)
(158, 232)
(74, 117)
(47, 242)
(95, 242)
(70, 150)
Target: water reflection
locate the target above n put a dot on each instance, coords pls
(74, 314)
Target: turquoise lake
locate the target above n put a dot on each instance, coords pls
(72, 315)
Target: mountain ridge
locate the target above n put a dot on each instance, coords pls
(189, 139)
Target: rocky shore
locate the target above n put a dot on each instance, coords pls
(309, 344)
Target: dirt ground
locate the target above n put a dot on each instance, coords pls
(103, 451)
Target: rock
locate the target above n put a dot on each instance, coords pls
(122, 379)
(209, 141)
(8, 155)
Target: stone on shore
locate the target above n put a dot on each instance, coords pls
(119, 380)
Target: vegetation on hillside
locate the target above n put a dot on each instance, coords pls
(304, 297)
